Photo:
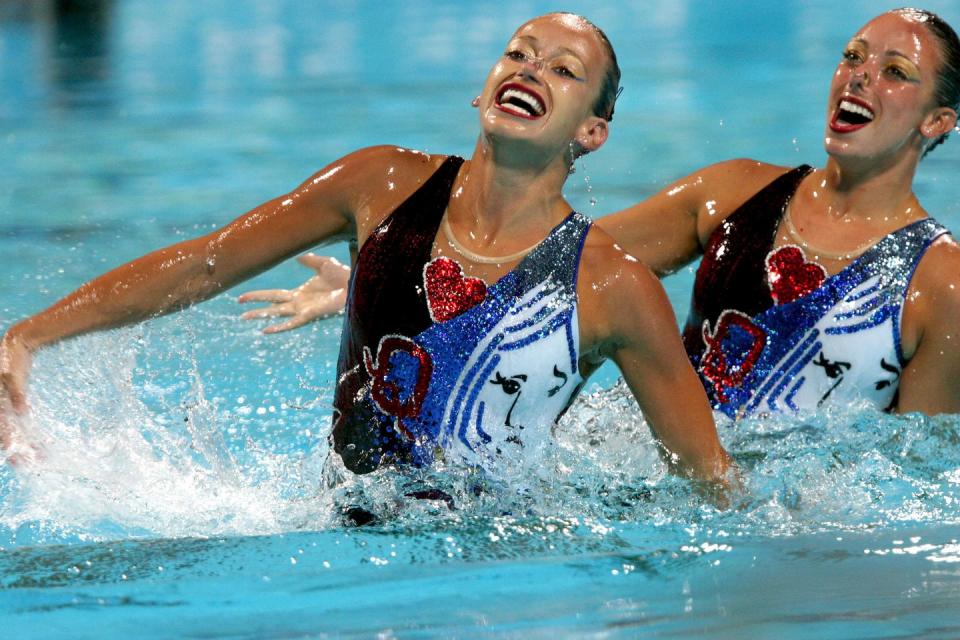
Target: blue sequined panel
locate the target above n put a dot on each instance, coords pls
(837, 343)
(435, 363)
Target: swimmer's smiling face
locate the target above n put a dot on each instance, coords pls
(544, 85)
(882, 94)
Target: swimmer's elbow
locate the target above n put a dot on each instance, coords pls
(194, 290)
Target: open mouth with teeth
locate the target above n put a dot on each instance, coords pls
(851, 114)
(520, 101)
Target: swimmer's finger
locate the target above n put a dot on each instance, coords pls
(266, 295)
(272, 311)
(293, 323)
(331, 273)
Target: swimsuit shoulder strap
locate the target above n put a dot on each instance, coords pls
(764, 209)
(732, 273)
(386, 294)
(558, 257)
(897, 255)
(418, 217)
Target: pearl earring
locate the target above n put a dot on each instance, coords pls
(475, 102)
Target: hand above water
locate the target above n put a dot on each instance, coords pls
(323, 295)
(15, 361)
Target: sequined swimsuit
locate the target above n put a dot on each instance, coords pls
(436, 364)
(769, 331)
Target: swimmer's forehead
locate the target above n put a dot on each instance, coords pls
(901, 35)
(561, 33)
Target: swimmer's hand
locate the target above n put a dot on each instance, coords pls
(323, 295)
(15, 361)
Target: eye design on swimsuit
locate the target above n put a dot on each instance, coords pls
(563, 380)
(886, 366)
(834, 369)
(511, 386)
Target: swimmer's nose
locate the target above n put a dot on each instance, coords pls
(531, 69)
(860, 78)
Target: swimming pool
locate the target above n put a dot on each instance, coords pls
(180, 495)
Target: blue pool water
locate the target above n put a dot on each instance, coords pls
(180, 492)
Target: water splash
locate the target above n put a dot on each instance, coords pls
(145, 441)
(128, 450)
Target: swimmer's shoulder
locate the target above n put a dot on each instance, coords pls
(743, 175)
(604, 257)
(612, 286)
(389, 167)
(725, 186)
(374, 181)
(933, 299)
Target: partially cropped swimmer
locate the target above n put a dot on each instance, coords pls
(480, 302)
(817, 286)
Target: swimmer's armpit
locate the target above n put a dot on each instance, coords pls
(323, 295)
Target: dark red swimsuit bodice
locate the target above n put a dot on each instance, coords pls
(732, 273)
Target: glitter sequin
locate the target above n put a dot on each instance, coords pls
(733, 348)
(790, 275)
(392, 394)
(499, 361)
(449, 292)
(838, 341)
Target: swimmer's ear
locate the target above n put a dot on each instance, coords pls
(592, 134)
(938, 122)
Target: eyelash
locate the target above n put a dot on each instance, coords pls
(896, 72)
(852, 56)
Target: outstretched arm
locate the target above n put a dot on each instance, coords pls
(322, 208)
(665, 231)
(670, 228)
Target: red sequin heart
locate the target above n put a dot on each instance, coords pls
(790, 276)
(449, 293)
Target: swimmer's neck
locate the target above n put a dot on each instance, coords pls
(501, 190)
(865, 190)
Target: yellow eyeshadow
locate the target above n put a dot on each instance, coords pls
(907, 69)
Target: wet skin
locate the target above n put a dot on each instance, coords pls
(881, 115)
(863, 193)
(506, 198)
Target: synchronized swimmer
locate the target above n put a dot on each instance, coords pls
(817, 286)
(480, 301)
